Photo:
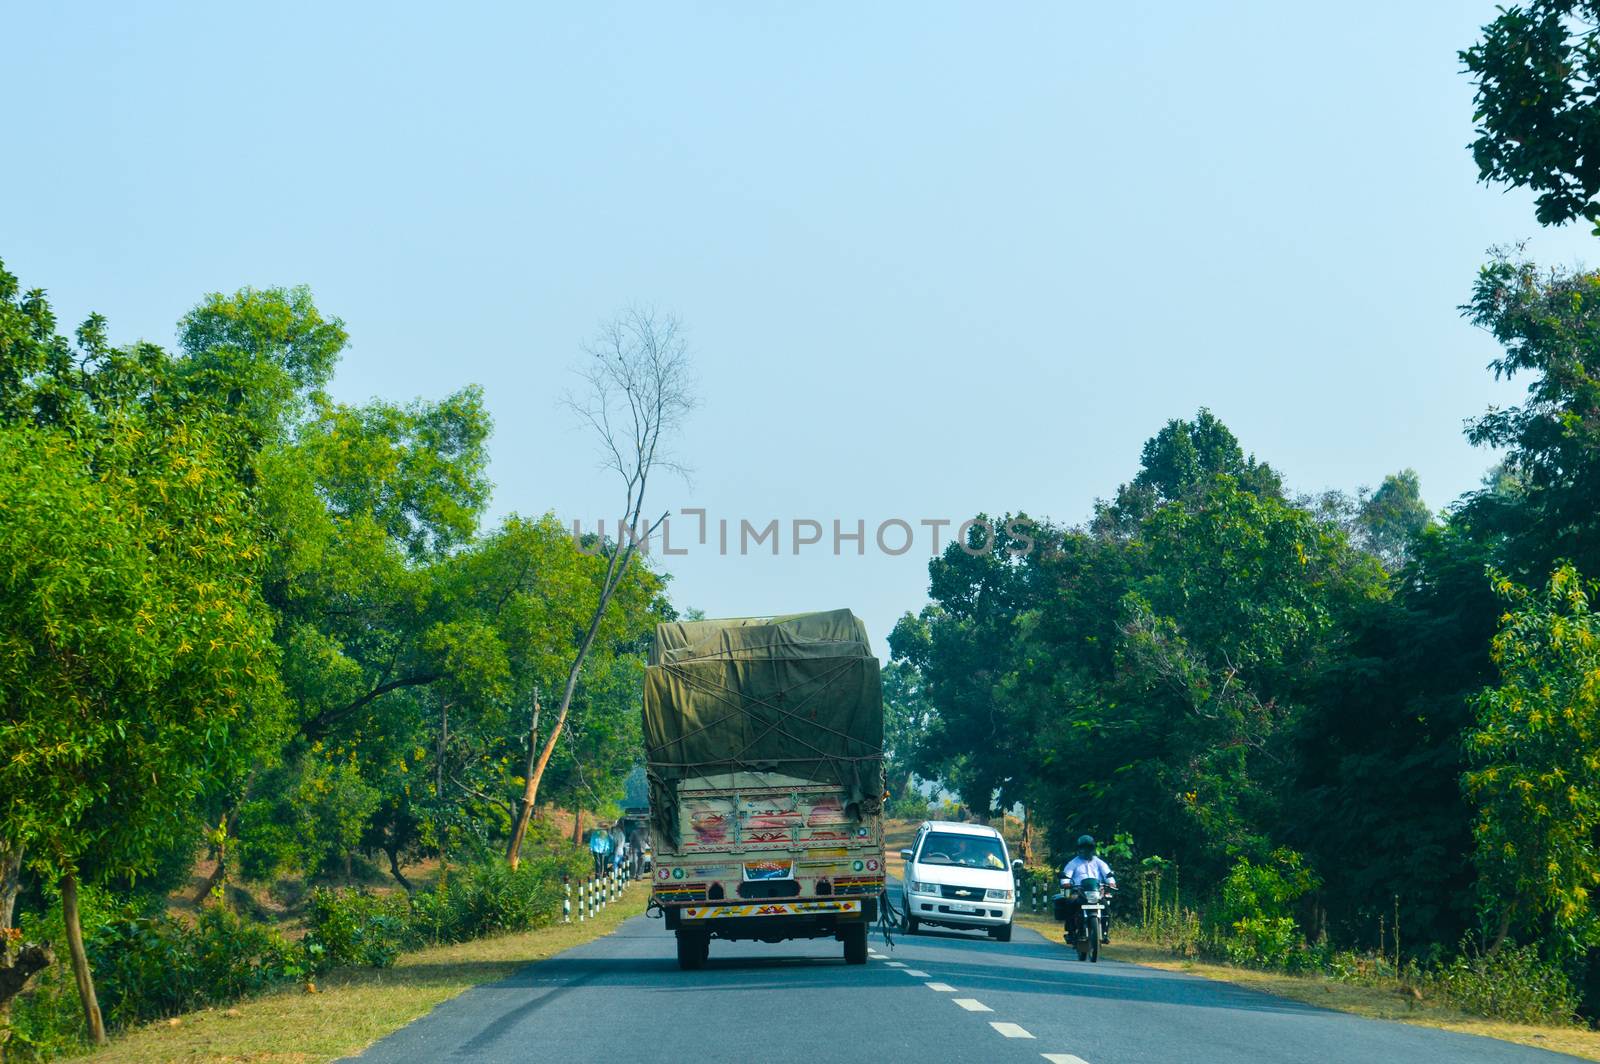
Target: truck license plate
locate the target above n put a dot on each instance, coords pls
(962, 908)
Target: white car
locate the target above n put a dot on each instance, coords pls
(960, 875)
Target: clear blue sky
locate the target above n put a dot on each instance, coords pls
(936, 258)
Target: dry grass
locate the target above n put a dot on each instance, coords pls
(352, 1009)
(1375, 1002)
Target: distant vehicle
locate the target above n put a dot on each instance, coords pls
(764, 743)
(960, 875)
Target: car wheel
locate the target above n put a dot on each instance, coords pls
(912, 923)
(1001, 934)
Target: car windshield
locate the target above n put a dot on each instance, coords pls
(968, 851)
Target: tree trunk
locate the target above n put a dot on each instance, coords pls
(10, 884)
(1506, 913)
(438, 760)
(394, 868)
(219, 875)
(530, 792)
(524, 811)
(577, 825)
(80, 960)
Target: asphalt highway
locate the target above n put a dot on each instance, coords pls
(930, 998)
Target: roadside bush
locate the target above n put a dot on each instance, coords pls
(358, 928)
(490, 899)
(909, 806)
(1265, 941)
(354, 929)
(1513, 984)
(1252, 924)
(147, 967)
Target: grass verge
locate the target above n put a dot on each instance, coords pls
(353, 1008)
(1375, 1002)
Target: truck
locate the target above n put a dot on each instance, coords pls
(764, 755)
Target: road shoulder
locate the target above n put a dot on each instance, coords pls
(352, 1009)
(1371, 1002)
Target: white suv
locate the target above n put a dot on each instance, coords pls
(960, 875)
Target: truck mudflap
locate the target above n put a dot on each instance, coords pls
(770, 908)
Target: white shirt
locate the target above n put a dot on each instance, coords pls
(1077, 870)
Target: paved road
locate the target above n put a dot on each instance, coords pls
(934, 997)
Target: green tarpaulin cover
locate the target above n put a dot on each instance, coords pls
(797, 696)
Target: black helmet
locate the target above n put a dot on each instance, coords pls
(1086, 846)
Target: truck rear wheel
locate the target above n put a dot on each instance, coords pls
(855, 943)
(693, 949)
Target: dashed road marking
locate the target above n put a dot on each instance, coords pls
(943, 988)
(1063, 1058)
(897, 964)
(914, 973)
(972, 1004)
(1010, 1030)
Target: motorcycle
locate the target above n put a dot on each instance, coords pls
(1093, 900)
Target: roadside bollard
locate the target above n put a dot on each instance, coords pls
(566, 900)
(581, 913)
(594, 908)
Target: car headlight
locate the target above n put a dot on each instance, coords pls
(995, 894)
(924, 888)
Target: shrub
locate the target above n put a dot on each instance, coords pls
(354, 929)
(1251, 924)
(1512, 984)
(1262, 940)
(490, 899)
(146, 967)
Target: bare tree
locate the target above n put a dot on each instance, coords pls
(638, 392)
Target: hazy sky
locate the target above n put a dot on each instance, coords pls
(935, 258)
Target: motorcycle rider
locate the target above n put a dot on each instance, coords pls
(1087, 866)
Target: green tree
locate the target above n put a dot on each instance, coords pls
(1537, 69)
(135, 660)
(1549, 326)
(1535, 753)
(907, 716)
(1392, 517)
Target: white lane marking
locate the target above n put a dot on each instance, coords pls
(943, 988)
(915, 974)
(972, 1004)
(1063, 1058)
(897, 964)
(1010, 1030)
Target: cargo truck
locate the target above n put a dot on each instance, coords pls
(764, 752)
